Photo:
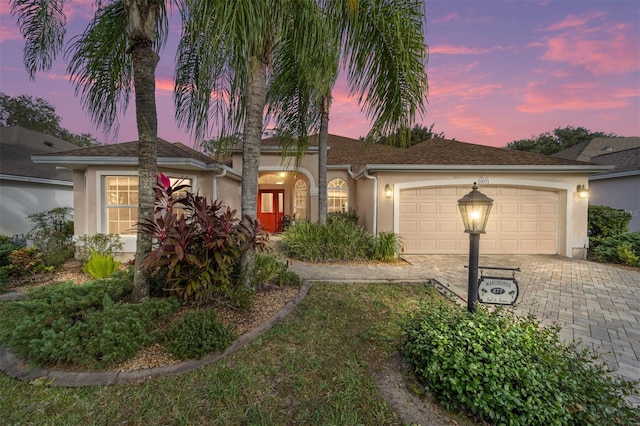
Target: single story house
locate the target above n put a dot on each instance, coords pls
(619, 187)
(27, 188)
(412, 192)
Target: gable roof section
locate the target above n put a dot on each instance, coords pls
(622, 154)
(586, 151)
(18, 144)
(126, 154)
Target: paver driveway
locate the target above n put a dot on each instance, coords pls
(599, 304)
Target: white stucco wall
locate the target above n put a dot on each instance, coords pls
(18, 199)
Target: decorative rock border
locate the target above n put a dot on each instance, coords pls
(17, 368)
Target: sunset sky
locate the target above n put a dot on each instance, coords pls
(498, 71)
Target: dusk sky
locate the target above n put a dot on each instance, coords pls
(498, 71)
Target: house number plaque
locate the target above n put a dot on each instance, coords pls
(497, 290)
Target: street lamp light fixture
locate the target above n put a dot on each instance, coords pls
(474, 208)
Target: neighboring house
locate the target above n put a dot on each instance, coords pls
(620, 187)
(27, 188)
(536, 206)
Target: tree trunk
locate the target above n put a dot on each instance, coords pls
(323, 144)
(144, 66)
(256, 99)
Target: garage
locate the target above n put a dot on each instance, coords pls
(522, 221)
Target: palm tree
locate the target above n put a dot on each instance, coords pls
(385, 55)
(119, 46)
(227, 53)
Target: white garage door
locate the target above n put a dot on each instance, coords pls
(522, 221)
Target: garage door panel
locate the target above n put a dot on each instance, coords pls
(522, 221)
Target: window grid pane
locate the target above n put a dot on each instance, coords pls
(337, 195)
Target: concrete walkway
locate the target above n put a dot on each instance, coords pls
(596, 303)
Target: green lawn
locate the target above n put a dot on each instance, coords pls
(314, 367)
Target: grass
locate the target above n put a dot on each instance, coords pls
(316, 366)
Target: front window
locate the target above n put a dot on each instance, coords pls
(121, 203)
(300, 200)
(337, 195)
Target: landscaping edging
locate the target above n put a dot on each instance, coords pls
(14, 367)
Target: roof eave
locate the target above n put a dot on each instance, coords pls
(615, 175)
(74, 162)
(588, 168)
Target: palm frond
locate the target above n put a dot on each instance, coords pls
(42, 24)
(99, 67)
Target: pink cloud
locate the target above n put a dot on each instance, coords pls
(589, 42)
(447, 49)
(538, 98)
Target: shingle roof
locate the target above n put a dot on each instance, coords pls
(431, 152)
(585, 151)
(130, 149)
(18, 144)
(627, 160)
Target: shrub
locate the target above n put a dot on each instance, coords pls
(6, 247)
(606, 222)
(272, 270)
(101, 265)
(27, 261)
(201, 251)
(88, 325)
(509, 370)
(350, 216)
(325, 242)
(386, 246)
(103, 244)
(197, 334)
(623, 248)
(51, 235)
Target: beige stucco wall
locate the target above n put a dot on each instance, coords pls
(89, 195)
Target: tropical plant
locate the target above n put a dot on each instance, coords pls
(382, 43)
(199, 248)
(229, 49)
(119, 46)
(101, 265)
(386, 246)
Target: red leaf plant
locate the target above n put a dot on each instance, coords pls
(197, 243)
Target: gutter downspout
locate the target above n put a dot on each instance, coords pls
(215, 183)
(375, 200)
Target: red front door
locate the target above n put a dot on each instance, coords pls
(271, 209)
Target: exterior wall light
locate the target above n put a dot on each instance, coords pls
(474, 208)
(583, 191)
(388, 192)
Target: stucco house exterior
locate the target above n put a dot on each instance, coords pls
(27, 188)
(619, 187)
(412, 192)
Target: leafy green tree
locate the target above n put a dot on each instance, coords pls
(560, 139)
(417, 134)
(38, 115)
(117, 52)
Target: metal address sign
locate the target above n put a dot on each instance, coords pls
(497, 290)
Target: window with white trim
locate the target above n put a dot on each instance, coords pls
(121, 203)
(337, 195)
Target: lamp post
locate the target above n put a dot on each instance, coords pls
(474, 208)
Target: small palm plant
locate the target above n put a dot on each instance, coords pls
(101, 265)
